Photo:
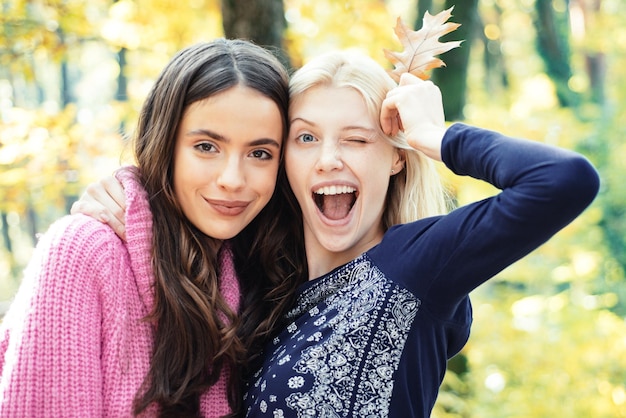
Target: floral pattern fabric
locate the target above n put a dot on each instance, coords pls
(335, 358)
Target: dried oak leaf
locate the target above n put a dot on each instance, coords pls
(420, 47)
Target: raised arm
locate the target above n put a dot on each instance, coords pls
(543, 188)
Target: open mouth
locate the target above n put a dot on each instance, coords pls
(335, 202)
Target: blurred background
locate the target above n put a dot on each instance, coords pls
(549, 338)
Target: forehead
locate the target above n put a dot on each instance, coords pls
(237, 111)
(238, 97)
(330, 103)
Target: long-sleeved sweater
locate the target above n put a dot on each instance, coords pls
(74, 342)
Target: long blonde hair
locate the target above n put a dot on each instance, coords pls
(415, 192)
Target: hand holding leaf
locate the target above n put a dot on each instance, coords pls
(420, 47)
(415, 107)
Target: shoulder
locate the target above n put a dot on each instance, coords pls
(72, 262)
(77, 247)
(405, 235)
(78, 234)
(405, 244)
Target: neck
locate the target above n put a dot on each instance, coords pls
(322, 264)
(322, 260)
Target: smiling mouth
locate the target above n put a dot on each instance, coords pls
(335, 202)
(227, 207)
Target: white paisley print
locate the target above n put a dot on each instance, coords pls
(338, 356)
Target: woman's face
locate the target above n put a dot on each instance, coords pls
(226, 160)
(339, 169)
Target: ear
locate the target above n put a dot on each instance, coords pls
(398, 161)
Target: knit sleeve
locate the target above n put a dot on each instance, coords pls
(50, 339)
(138, 231)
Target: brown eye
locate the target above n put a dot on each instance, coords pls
(261, 154)
(205, 147)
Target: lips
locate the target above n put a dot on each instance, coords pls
(228, 207)
(335, 201)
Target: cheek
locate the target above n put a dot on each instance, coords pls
(182, 180)
(375, 176)
(181, 165)
(183, 193)
(290, 168)
(296, 177)
(265, 181)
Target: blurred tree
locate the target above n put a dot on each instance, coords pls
(551, 21)
(36, 38)
(513, 373)
(423, 6)
(452, 79)
(315, 27)
(262, 21)
(571, 291)
(121, 93)
(593, 30)
(586, 17)
(496, 73)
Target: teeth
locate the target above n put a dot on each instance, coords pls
(332, 190)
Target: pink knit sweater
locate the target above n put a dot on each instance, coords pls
(73, 343)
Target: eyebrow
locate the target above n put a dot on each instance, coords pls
(222, 138)
(345, 128)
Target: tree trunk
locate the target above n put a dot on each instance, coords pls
(65, 91)
(496, 73)
(122, 86)
(31, 223)
(6, 237)
(595, 61)
(423, 6)
(596, 71)
(452, 79)
(121, 94)
(261, 21)
(553, 47)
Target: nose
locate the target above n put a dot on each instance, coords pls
(330, 157)
(232, 176)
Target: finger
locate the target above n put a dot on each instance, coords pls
(118, 226)
(92, 208)
(108, 194)
(399, 121)
(96, 199)
(114, 188)
(89, 208)
(408, 78)
(385, 115)
(389, 118)
(120, 231)
(117, 204)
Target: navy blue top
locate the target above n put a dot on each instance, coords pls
(372, 337)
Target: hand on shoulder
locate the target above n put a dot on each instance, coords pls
(104, 201)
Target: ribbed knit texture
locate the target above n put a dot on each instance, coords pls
(73, 343)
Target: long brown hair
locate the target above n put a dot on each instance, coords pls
(191, 341)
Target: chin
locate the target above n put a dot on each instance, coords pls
(335, 247)
(221, 235)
